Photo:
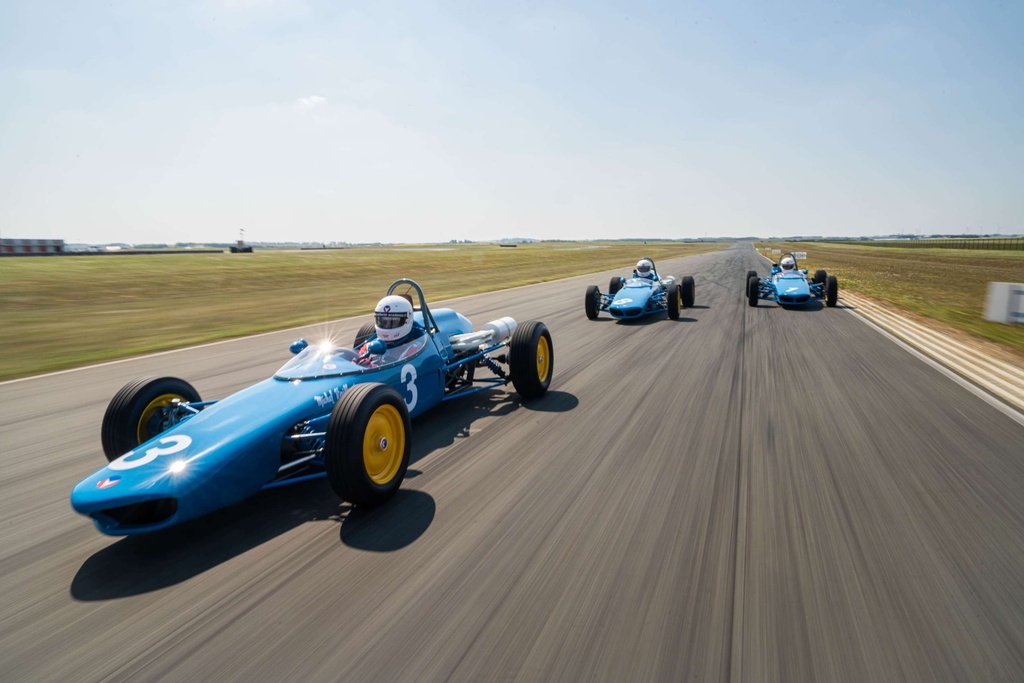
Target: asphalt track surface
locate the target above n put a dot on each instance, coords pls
(746, 494)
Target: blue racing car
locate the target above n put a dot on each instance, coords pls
(331, 411)
(788, 285)
(643, 294)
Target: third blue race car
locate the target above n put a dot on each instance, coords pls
(643, 294)
(788, 285)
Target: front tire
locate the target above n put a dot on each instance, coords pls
(368, 443)
(674, 301)
(531, 359)
(753, 289)
(831, 291)
(590, 304)
(141, 410)
(750, 274)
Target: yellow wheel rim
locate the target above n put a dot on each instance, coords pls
(543, 359)
(156, 405)
(383, 444)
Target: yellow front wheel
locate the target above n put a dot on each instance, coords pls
(383, 444)
(143, 409)
(367, 444)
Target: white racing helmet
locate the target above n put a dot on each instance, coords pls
(644, 267)
(393, 318)
(788, 263)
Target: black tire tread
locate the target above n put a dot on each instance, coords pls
(831, 291)
(346, 473)
(689, 291)
(522, 359)
(590, 303)
(753, 283)
(118, 431)
(674, 297)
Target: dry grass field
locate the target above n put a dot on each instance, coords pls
(60, 312)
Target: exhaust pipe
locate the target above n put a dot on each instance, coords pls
(489, 334)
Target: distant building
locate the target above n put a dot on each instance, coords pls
(16, 247)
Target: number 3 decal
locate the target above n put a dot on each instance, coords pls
(130, 460)
(409, 377)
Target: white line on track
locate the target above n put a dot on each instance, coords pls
(978, 391)
(1001, 378)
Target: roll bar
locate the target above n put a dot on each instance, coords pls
(428, 318)
(654, 266)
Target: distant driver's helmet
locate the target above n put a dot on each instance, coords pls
(393, 318)
(644, 268)
(788, 264)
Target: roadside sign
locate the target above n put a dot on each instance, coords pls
(1005, 303)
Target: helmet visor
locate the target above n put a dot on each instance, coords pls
(643, 268)
(391, 321)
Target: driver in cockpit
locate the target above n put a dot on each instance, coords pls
(402, 337)
(644, 269)
(787, 266)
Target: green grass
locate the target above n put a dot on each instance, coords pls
(946, 285)
(61, 312)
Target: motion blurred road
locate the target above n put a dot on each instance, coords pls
(745, 494)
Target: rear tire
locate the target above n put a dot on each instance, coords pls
(614, 285)
(674, 301)
(140, 411)
(689, 291)
(364, 333)
(531, 359)
(831, 291)
(753, 289)
(367, 446)
(590, 304)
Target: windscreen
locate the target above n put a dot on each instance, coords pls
(327, 360)
(320, 360)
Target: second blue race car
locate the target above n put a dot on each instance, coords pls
(331, 411)
(638, 296)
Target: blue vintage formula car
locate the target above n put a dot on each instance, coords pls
(636, 297)
(792, 287)
(330, 411)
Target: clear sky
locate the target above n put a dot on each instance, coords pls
(186, 120)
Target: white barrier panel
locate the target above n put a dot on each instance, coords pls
(1005, 302)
